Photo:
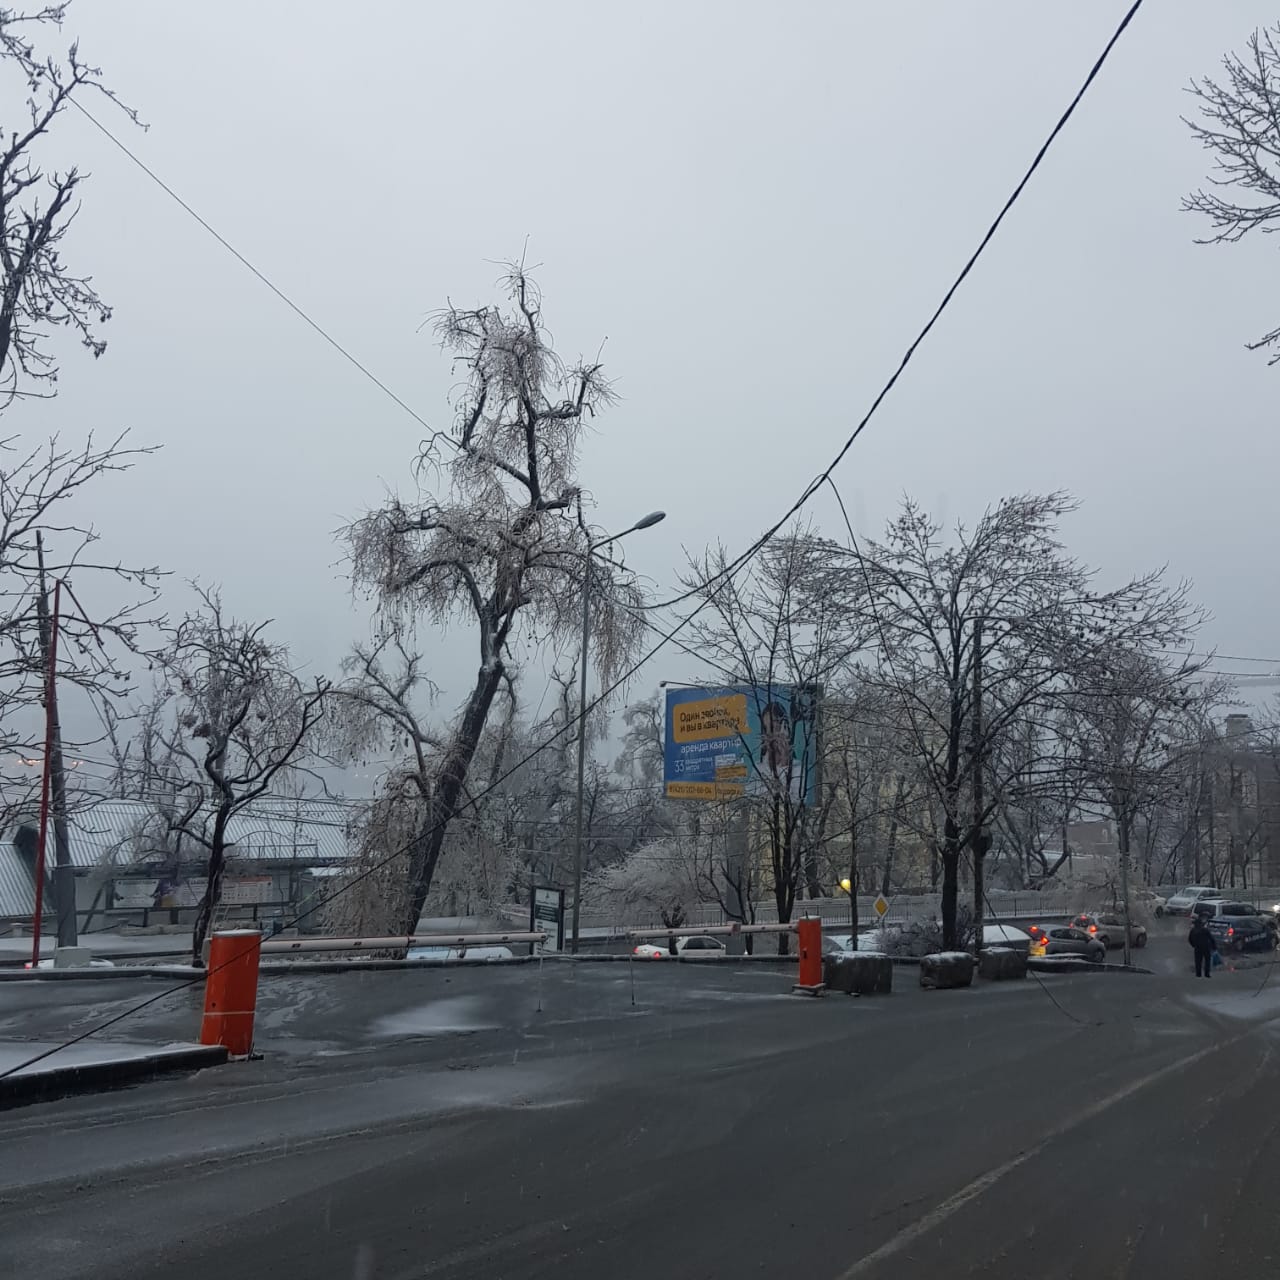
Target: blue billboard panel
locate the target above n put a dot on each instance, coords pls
(736, 740)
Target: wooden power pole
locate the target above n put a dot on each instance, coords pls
(980, 841)
(54, 804)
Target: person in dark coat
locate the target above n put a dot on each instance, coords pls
(1204, 946)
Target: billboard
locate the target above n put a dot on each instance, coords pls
(735, 740)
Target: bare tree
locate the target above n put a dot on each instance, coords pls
(1128, 708)
(41, 292)
(766, 631)
(500, 545)
(878, 826)
(1002, 598)
(230, 721)
(42, 542)
(1239, 124)
(659, 881)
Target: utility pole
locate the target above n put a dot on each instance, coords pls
(981, 840)
(53, 800)
(582, 746)
(1124, 874)
(645, 522)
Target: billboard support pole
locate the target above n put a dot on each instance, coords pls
(582, 746)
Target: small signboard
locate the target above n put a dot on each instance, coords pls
(546, 915)
(243, 891)
(881, 905)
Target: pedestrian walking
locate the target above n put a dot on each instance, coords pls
(1203, 944)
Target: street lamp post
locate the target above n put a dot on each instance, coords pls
(644, 522)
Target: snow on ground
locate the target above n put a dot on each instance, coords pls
(92, 1053)
(1232, 1000)
(101, 944)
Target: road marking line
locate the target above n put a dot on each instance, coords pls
(941, 1212)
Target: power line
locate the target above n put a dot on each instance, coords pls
(822, 477)
(235, 253)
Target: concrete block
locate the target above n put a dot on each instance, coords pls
(998, 964)
(946, 969)
(71, 957)
(858, 975)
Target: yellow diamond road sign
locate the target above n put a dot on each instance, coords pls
(881, 905)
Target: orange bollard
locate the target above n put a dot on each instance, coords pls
(809, 931)
(231, 990)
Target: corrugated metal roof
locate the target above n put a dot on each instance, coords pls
(111, 835)
(17, 887)
(120, 833)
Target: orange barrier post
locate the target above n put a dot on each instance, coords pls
(809, 931)
(231, 990)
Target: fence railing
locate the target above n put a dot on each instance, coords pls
(901, 909)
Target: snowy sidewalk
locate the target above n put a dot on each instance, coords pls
(90, 1066)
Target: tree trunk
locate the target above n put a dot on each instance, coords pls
(213, 884)
(812, 878)
(891, 844)
(1213, 846)
(424, 852)
(853, 888)
(783, 838)
(951, 825)
(950, 856)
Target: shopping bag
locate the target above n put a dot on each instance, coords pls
(1217, 958)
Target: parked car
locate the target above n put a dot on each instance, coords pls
(872, 940)
(1151, 901)
(1005, 935)
(1108, 928)
(440, 955)
(1207, 908)
(1067, 940)
(1180, 903)
(1239, 926)
(697, 946)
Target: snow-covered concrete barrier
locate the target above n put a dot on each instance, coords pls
(998, 964)
(863, 974)
(946, 969)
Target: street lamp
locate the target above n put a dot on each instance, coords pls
(593, 546)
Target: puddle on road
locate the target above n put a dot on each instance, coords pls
(455, 1015)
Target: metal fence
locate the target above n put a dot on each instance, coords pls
(835, 911)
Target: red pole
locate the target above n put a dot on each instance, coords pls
(44, 783)
(809, 931)
(231, 990)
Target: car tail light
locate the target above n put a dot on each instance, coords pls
(1231, 930)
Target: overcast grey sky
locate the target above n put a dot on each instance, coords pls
(756, 203)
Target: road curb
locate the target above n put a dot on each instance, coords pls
(1043, 964)
(96, 1077)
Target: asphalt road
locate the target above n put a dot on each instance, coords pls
(433, 1124)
